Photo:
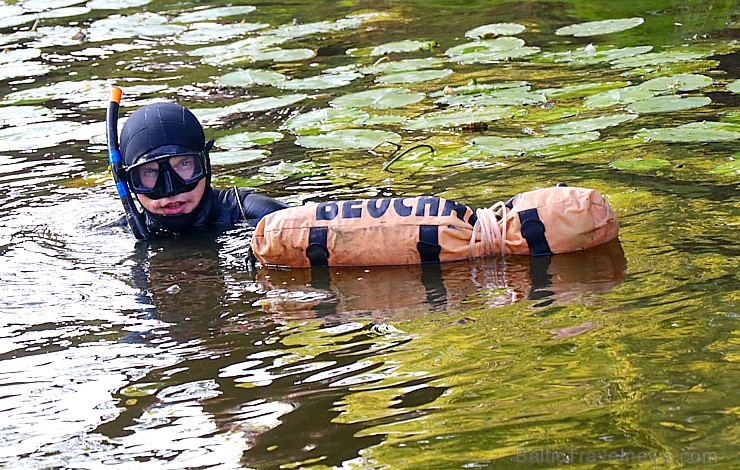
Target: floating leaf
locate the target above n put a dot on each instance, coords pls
(731, 168)
(251, 77)
(505, 146)
(734, 86)
(591, 55)
(624, 95)
(131, 26)
(694, 132)
(237, 157)
(586, 125)
(462, 117)
(414, 76)
(640, 164)
(379, 98)
(348, 139)
(391, 47)
(22, 115)
(404, 65)
(581, 89)
(210, 14)
(655, 59)
(596, 28)
(246, 140)
(116, 4)
(663, 104)
(495, 29)
(38, 135)
(8, 56)
(679, 82)
(325, 119)
(490, 50)
(204, 33)
(215, 115)
(319, 82)
(505, 97)
(23, 69)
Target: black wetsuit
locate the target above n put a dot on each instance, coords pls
(219, 210)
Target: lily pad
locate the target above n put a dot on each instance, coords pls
(131, 26)
(8, 56)
(625, 95)
(490, 50)
(581, 89)
(379, 98)
(37, 135)
(679, 82)
(413, 76)
(348, 139)
(319, 82)
(274, 54)
(204, 33)
(116, 4)
(597, 28)
(216, 115)
(734, 86)
(407, 45)
(507, 146)
(404, 65)
(664, 104)
(64, 12)
(462, 117)
(731, 168)
(495, 29)
(655, 59)
(694, 132)
(640, 164)
(23, 115)
(237, 157)
(246, 140)
(591, 55)
(586, 125)
(210, 14)
(24, 69)
(325, 119)
(249, 77)
(504, 97)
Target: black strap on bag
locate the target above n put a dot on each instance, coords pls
(316, 251)
(428, 245)
(533, 230)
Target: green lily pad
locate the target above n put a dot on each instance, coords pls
(116, 4)
(591, 55)
(405, 65)
(211, 116)
(272, 173)
(246, 140)
(238, 157)
(204, 33)
(734, 86)
(586, 125)
(23, 115)
(617, 96)
(679, 82)
(694, 132)
(92, 92)
(495, 29)
(462, 117)
(24, 69)
(8, 56)
(37, 135)
(413, 76)
(325, 119)
(131, 26)
(664, 104)
(597, 28)
(64, 12)
(581, 89)
(655, 59)
(731, 168)
(640, 164)
(476, 88)
(366, 139)
(249, 77)
(236, 56)
(508, 146)
(504, 97)
(490, 50)
(407, 45)
(141, 390)
(319, 82)
(379, 98)
(210, 14)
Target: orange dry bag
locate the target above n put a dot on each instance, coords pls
(425, 229)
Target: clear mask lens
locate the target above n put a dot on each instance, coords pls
(167, 175)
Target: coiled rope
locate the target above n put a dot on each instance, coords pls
(492, 229)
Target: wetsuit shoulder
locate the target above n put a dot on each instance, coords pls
(234, 205)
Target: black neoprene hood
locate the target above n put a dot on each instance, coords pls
(158, 125)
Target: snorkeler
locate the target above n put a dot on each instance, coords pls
(165, 163)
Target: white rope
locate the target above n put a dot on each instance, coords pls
(492, 231)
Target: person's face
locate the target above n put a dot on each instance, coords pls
(183, 203)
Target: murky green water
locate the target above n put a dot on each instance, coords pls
(176, 354)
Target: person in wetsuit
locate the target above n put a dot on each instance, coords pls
(165, 154)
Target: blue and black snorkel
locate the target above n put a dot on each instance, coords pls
(134, 218)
